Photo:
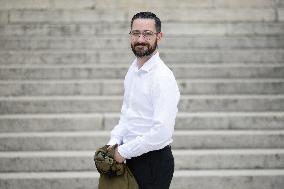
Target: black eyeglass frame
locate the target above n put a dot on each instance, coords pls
(147, 34)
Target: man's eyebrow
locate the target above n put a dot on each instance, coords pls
(142, 30)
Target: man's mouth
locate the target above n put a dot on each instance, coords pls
(140, 45)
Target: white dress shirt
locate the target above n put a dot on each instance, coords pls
(149, 109)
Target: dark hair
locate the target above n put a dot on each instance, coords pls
(148, 15)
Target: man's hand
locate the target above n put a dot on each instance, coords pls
(118, 158)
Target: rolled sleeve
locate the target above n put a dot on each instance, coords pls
(119, 130)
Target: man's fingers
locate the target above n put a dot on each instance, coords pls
(118, 157)
(108, 148)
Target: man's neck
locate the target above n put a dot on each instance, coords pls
(141, 61)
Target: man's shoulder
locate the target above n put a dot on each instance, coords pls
(163, 74)
(163, 70)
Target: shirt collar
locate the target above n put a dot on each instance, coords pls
(147, 66)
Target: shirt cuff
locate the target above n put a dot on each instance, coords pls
(131, 149)
(122, 152)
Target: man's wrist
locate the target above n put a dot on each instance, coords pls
(118, 157)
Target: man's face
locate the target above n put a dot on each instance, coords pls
(143, 37)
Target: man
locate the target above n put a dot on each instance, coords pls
(151, 95)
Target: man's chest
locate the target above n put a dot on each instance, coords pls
(138, 90)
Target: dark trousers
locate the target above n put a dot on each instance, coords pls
(153, 170)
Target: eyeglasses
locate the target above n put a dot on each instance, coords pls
(147, 34)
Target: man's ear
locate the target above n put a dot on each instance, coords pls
(160, 36)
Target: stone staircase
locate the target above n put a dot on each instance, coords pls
(62, 65)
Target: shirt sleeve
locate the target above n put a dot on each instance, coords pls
(119, 130)
(165, 97)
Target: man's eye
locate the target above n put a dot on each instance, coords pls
(147, 33)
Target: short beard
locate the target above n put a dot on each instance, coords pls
(143, 53)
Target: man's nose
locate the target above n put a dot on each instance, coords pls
(141, 38)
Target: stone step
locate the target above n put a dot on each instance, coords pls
(214, 14)
(198, 179)
(103, 104)
(184, 121)
(206, 139)
(169, 28)
(224, 179)
(85, 57)
(115, 87)
(46, 4)
(127, 4)
(122, 42)
(181, 71)
(245, 86)
(228, 139)
(147, 4)
(46, 161)
(78, 16)
(234, 121)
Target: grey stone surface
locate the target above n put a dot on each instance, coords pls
(228, 139)
(115, 87)
(62, 180)
(53, 141)
(170, 28)
(184, 121)
(61, 70)
(181, 71)
(58, 141)
(117, 57)
(184, 160)
(230, 87)
(259, 56)
(228, 179)
(74, 4)
(61, 105)
(280, 14)
(215, 14)
(244, 3)
(39, 123)
(107, 43)
(244, 179)
(228, 159)
(63, 73)
(232, 121)
(25, 4)
(37, 105)
(4, 17)
(52, 88)
(147, 4)
(168, 15)
(72, 16)
(231, 104)
(279, 3)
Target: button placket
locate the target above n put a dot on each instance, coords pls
(131, 93)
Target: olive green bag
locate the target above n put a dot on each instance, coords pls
(113, 175)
